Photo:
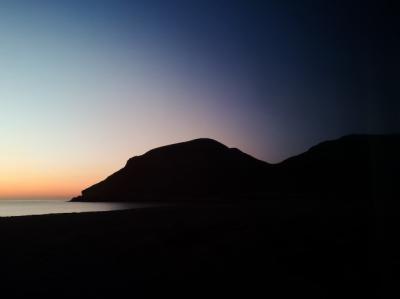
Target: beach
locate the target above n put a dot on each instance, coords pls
(277, 247)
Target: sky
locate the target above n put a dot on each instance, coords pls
(85, 85)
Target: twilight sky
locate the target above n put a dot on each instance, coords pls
(84, 85)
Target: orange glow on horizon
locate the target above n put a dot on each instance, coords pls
(42, 188)
(52, 173)
(42, 185)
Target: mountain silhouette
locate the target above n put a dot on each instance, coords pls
(201, 168)
(354, 164)
(361, 165)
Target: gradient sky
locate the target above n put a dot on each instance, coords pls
(84, 85)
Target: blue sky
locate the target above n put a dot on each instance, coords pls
(84, 85)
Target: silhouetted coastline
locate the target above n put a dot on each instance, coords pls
(312, 225)
(204, 169)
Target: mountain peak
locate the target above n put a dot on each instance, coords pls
(201, 167)
(199, 144)
(358, 165)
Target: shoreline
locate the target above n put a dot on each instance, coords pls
(286, 247)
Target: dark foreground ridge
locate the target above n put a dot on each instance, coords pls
(204, 169)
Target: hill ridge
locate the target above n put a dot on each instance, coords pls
(206, 168)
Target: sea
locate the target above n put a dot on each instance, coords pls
(24, 207)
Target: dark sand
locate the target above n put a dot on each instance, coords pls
(322, 249)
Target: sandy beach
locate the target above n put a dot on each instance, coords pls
(277, 247)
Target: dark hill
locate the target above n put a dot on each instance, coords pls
(354, 164)
(206, 169)
(201, 168)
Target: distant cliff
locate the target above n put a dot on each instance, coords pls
(206, 169)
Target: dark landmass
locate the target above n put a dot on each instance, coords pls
(262, 249)
(198, 169)
(356, 165)
(316, 225)
(204, 169)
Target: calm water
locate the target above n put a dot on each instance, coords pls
(39, 207)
